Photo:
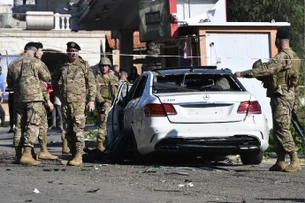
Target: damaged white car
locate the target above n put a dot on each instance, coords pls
(191, 110)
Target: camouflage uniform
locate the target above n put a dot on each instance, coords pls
(25, 75)
(20, 123)
(43, 128)
(71, 83)
(106, 90)
(281, 81)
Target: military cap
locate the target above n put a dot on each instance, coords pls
(283, 33)
(73, 45)
(105, 61)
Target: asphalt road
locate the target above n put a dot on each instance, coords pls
(227, 181)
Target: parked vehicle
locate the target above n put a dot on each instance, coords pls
(189, 110)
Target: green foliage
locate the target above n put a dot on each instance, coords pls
(91, 117)
(295, 135)
(291, 11)
(91, 135)
(271, 142)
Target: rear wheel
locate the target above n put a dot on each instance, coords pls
(134, 154)
(251, 158)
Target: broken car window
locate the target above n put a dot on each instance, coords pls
(190, 82)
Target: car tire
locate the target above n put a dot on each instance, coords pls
(251, 158)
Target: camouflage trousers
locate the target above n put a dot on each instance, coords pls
(103, 109)
(43, 128)
(74, 121)
(28, 119)
(281, 107)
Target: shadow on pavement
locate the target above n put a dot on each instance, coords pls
(282, 199)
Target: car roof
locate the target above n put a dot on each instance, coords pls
(193, 69)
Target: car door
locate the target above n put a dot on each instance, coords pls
(132, 114)
(116, 112)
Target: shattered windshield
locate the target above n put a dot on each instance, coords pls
(190, 82)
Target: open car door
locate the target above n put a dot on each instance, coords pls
(115, 120)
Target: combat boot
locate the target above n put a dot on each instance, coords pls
(34, 155)
(65, 148)
(45, 154)
(64, 162)
(280, 163)
(78, 157)
(77, 160)
(18, 153)
(27, 158)
(100, 146)
(294, 163)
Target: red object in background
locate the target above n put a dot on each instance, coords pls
(174, 20)
(51, 92)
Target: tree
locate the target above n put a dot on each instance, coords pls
(291, 11)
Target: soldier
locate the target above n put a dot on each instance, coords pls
(43, 130)
(72, 80)
(42, 136)
(106, 90)
(280, 76)
(24, 76)
(133, 74)
(123, 75)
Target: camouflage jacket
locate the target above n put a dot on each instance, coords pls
(73, 82)
(106, 86)
(44, 90)
(25, 75)
(276, 68)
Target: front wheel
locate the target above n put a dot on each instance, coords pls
(251, 158)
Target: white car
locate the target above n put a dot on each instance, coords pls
(189, 110)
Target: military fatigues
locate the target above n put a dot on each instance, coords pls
(71, 83)
(20, 123)
(283, 71)
(25, 75)
(43, 128)
(106, 90)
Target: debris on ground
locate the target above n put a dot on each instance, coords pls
(36, 191)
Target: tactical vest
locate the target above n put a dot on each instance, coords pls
(107, 88)
(290, 75)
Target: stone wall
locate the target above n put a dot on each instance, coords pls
(12, 41)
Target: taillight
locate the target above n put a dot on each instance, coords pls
(159, 110)
(249, 107)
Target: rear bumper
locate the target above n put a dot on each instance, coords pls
(217, 145)
(203, 137)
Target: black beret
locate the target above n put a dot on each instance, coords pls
(73, 45)
(29, 45)
(283, 34)
(39, 45)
